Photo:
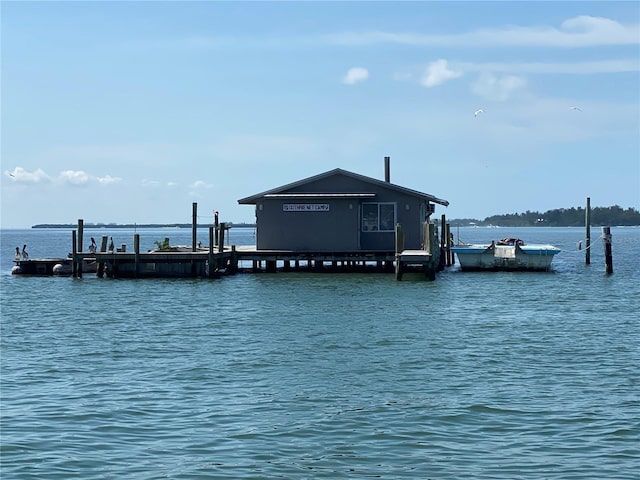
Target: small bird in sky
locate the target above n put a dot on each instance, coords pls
(575, 108)
(478, 112)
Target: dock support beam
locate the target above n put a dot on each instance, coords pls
(74, 251)
(587, 222)
(221, 237)
(194, 226)
(399, 249)
(103, 248)
(80, 243)
(212, 266)
(608, 256)
(136, 252)
(443, 241)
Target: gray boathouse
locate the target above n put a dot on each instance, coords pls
(340, 211)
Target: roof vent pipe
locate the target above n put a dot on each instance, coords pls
(387, 174)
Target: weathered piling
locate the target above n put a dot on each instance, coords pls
(221, 237)
(216, 224)
(212, 267)
(447, 247)
(74, 252)
(136, 253)
(443, 242)
(427, 236)
(608, 255)
(194, 226)
(103, 248)
(399, 249)
(399, 238)
(80, 247)
(587, 222)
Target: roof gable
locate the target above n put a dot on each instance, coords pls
(338, 171)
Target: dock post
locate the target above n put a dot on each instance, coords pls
(103, 248)
(587, 222)
(233, 262)
(443, 242)
(447, 247)
(221, 237)
(136, 253)
(216, 224)
(80, 245)
(452, 256)
(194, 225)
(212, 267)
(608, 256)
(74, 265)
(426, 238)
(399, 249)
(399, 238)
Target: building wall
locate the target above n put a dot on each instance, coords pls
(332, 230)
(337, 227)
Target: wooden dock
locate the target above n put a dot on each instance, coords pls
(218, 259)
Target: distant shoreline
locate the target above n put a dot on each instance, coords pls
(105, 226)
(572, 217)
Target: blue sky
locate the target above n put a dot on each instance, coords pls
(128, 112)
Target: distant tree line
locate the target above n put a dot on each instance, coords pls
(561, 217)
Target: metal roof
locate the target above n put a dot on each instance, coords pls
(282, 190)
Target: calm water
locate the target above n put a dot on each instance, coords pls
(306, 376)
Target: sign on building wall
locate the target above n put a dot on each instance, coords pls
(305, 207)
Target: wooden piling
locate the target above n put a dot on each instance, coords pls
(80, 247)
(608, 256)
(212, 267)
(587, 222)
(74, 251)
(216, 224)
(426, 238)
(103, 248)
(221, 237)
(136, 252)
(452, 256)
(443, 241)
(399, 238)
(194, 226)
(447, 246)
(399, 249)
(233, 261)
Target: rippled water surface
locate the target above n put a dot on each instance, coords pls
(305, 376)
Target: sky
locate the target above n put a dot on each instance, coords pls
(129, 112)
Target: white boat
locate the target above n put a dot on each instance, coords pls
(508, 254)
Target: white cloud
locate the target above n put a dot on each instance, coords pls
(581, 31)
(74, 177)
(496, 88)
(355, 75)
(200, 184)
(66, 177)
(21, 175)
(107, 179)
(437, 73)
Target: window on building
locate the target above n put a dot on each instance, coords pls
(378, 217)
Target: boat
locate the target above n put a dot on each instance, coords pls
(508, 254)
